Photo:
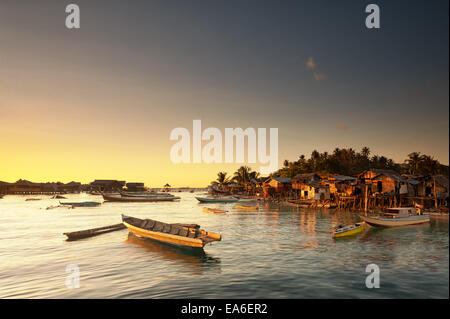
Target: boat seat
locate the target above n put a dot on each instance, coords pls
(167, 228)
(158, 226)
(192, 234)
(183, 232)
(150, 224)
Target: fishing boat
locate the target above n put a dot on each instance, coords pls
(58, 197)
(397, 216)
(212, 210)
(93, 232)
(120, 198)
(144, 194)
(180, 235)
(246, 207)
(216, 199)
(343, 231)
(81, 204)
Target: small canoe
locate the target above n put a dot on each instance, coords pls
(212, 210)
(81, 204)
(180, 235)
(93, 232)
(58, 197)
(216, 200)
(343, 231)
(120, 198)
(247, 207)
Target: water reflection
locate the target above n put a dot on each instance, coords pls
(196, 260)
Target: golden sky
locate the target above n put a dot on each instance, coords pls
(100, 102)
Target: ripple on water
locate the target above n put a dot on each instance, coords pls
(279, 252)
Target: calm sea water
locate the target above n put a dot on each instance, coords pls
(279, 252)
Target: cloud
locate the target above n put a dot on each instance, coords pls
(319, 76)
(310, 64)
(342, 127)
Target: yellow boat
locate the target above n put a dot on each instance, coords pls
(247, 207)
(212, 210)
(343, 231)
(180, 235)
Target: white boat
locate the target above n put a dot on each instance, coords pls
(397, 216)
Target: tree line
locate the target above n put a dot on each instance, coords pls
(342, 161)
(347, 161)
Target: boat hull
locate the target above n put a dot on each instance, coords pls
(168, 238)
(396, 222)
(351, 232)
(247, 207)
(215, 200)
(119, 198)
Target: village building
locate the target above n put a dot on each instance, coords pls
(107, 185)
(434, 184)
(135, 187)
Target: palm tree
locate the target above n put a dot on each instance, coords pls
(242, 175)
(413, 162)
(222, 179)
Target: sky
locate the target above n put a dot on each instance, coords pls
(100, 102)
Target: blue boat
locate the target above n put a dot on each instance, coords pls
(216, 200)
(81, 204)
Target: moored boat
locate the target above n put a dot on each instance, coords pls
(212, 210)
(144, 194)
(120, 198)
(349, 230)
(246, 207)
(93, 232)
(216, 200)
(181, 235)
(395, 217)
(81, 204)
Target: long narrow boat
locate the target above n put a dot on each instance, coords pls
(212, 210)
(216, 200)
(180, 235)
(120, 198)
(395, 217)
(81, 204)
(144, 194)
(350, 230)
(247, 207)
(93, 232)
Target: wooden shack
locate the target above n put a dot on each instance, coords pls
(107, 185)
(279, 184)
(384, 181)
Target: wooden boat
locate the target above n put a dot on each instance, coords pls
(395, 217)
(144, 194)
(58, 197)
(212, 210)
(246, 207)
(81, 204)
(343, 231)
(30, 199)
(216, 200)
(120, 198)
(93, 232)
(180, 235)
